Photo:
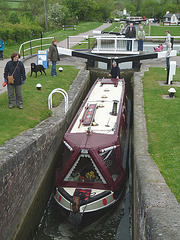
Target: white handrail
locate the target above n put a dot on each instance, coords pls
(63, 92)
(33, 40)
(113, 44)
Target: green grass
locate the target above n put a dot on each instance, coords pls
(60, 35)
(15, 121)
(161, 30)
(163, 126)
(115, 27)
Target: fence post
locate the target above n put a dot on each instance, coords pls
(68, 42)
(41, 39)
(30, 47)
(23, 50)
(89, 43)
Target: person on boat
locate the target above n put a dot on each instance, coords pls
(130, 33)
(115, 71)
(76, 204)
(140, 37)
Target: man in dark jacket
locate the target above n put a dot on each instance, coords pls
(115, 71)
(130, 33)
(53, 55)
(15, 68)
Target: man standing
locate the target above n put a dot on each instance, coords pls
(53, 55)
(130, 33)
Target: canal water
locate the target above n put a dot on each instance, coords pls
(116, 226)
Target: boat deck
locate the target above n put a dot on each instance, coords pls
(97, 112)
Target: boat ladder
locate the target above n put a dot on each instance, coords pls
(63, 92)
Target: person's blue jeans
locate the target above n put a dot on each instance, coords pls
(53, 69)
(1, 54)
(140, 45)
(129, 45)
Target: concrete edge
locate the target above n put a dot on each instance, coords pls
(156, 210)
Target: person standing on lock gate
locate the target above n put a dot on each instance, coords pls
(14, 76)
(115, 71)
(53, 55)
(168, 39)
(130, 33)
(140, 37)
(1, 49)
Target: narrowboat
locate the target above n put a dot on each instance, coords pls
(92, 173)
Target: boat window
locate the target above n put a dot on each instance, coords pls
(84, 170)
(110, 159)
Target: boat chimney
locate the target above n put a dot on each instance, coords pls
(114, 110)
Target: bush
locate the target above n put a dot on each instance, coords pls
(14, 18)
(56, 14)
(19, 32)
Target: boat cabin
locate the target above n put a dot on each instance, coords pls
(94, 144)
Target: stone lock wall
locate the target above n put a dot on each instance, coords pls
(26, 161)
(156, 210)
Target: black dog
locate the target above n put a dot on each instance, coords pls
(37, 68)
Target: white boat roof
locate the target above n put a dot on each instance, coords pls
(103, 96)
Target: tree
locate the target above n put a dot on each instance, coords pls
(172, 8)
(14, 18)
(150, 8)
(103, 9)
(73, 7)
(36, 7)
(131, 9)
(56, 14)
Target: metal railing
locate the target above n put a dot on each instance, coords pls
(63, 92)
(30, 47)
(80, 40)
(113, 44)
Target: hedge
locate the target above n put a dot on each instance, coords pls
(19, 32)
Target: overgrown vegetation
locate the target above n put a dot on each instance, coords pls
(162, 117)
(15, 121)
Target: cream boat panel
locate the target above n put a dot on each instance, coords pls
(102, 96)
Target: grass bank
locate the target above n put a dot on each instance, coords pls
(60, 35)
(15, 121)
(163, 117)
